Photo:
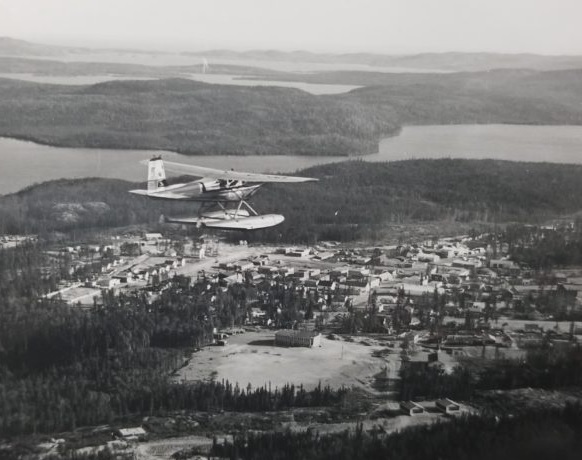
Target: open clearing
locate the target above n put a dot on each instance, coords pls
(252, 358)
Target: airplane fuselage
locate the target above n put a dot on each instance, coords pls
(204, 190)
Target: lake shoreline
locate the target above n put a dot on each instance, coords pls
(37, 141)
(23, 161)
(364, 155)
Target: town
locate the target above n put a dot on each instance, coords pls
(379, 320)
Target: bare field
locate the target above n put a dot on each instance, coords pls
(252, 358)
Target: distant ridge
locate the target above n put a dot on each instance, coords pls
(447, 61)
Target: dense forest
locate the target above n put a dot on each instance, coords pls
(544, 249)
(189, 117)
(198, 118)
(535, 435)
(62, 367)
(540, 369)
(352, 200)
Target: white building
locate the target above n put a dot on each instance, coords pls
(292, 338)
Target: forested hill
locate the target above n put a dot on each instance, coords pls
(198, 118)
(502, 96)
(352, 200)
(190, 117)
(356, 199)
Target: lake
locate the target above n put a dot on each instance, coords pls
(186, 59)
(213, 78)
(556, 144)
(25, 163)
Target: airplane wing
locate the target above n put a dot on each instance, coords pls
(200, 171)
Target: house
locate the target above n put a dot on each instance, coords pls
(300, 275)
(338, 272)
(235, 277)
(419, 361)
(446, 252)
(299, 253)
(108, 283)
(267, 270)
(123, 277)
(243, 267)
(411, 408)
(132, 434)
(414, 290)
(363, 284)
(447, 406)
(142, 275)
(287, 271)
(432, 258)
(327, 285)
(324, 255)
(359, 273)
(311, 283)
(383, 275)
(502, 264)
(468, 264)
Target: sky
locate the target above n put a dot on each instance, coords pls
(337, 26)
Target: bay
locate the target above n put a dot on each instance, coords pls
(25, 163)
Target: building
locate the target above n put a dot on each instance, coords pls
(132, 434)
(411, 408)
(108, 283)
(420, 362)
(292, 338)
(447, 406)
(502, 263)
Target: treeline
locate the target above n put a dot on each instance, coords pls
(544, 369)
(352, 200)
(536, 435)
(64, 399)
(543, 249)
(190, 117)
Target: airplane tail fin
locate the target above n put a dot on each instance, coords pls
(156, 174)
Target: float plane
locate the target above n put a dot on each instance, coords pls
(223, 194)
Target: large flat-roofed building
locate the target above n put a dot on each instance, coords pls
(292, 338)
